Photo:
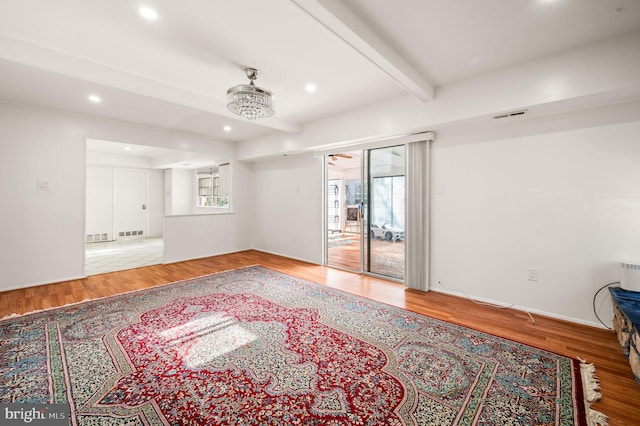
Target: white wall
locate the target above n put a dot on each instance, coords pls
(43, 232)
(566, 202)
(183, 194)
(201, 235)
(156, 202)
(287, 206)
(99, 200)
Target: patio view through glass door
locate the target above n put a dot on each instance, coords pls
(366, 211)
(344, 211)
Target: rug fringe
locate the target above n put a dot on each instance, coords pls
(596, 418)
(591, 393)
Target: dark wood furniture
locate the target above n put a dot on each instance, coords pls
(626, 323)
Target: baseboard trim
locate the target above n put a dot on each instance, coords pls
(39, 283)
(521, 308)
(164, 262)
(287, 256)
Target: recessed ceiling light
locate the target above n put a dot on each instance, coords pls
(95, 99)
(127, 148)
(227, 128)
(148, 13)
(310, 87)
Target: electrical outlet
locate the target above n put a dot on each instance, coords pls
(532, 274)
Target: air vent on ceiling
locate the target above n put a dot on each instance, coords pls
(511, 114)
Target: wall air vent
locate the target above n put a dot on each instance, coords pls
(130, 234)
(511, 114)
(94, 238)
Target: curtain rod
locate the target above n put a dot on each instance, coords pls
(377, 143)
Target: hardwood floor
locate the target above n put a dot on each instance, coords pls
(621, 394)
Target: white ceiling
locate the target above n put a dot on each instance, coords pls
(174, 72)
(104, 152)
(118, 148)
(457, 39)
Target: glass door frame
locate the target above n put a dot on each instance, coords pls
(366, 211)
(369, 176)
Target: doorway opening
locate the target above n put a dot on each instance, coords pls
(123, 208)
(117, 219)
(344, 200)
(365, 207)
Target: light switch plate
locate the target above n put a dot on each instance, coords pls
(44, 185)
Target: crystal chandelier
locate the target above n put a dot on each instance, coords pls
(249, 100)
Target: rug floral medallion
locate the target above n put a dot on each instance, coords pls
(257, 347)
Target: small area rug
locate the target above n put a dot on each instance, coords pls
(256, 347)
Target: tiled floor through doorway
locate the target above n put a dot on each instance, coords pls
(120, 255)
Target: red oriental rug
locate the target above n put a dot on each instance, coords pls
(257, 347)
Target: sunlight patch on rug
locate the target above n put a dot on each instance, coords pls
(201, 340)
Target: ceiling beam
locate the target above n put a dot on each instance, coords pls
(344, 23)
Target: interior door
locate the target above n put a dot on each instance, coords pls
(130, 214)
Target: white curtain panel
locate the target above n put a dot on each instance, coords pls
(417, 220)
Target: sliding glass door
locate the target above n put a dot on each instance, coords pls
(386, 212)
(366, 211)
(344, 210)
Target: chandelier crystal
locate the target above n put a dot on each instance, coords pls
(249, 100)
